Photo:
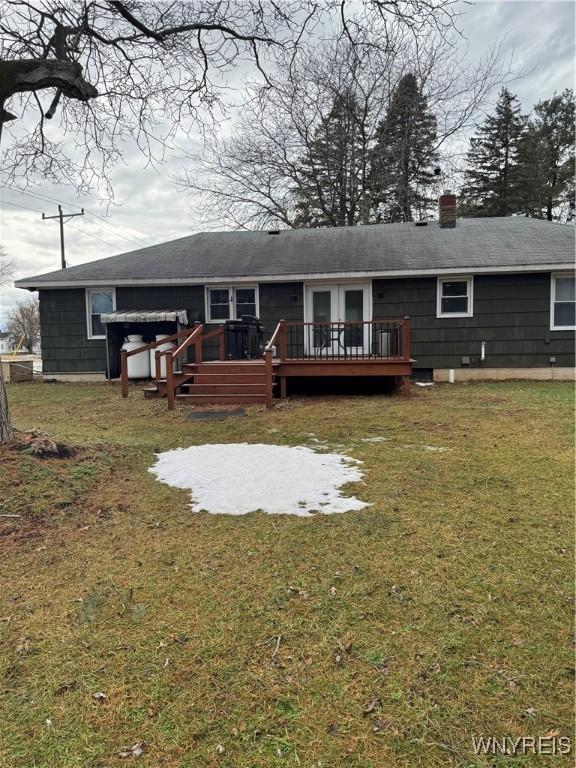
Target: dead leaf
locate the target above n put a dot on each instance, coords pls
(371, 706)
(380, 725)
(99, 696)
(529, 712)
(66, 687)
(552, 734)
(136, 750)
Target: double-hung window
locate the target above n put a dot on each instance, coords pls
(230, 302)
(98, 302)
(562, 303)
(455, 297)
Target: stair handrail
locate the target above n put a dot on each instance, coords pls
(279, 333)
(124, 355)
(195, 337)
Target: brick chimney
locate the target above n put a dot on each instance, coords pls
(447, 210)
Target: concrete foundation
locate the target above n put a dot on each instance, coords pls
(77, 378)
(503, 374)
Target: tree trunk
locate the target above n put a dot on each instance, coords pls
(6, 432)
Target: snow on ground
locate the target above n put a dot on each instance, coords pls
(238, 478)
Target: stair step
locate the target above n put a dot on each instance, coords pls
(225, 389)
(152, 392)
(229, 378)
(214, 399)
(224, 368)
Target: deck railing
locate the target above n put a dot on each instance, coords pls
(194, 340)
(124, 355)
(278, 337)
(387, 339)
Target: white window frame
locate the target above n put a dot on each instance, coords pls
(89, 291)
(553, 277)
(231, 288)
(450, 279)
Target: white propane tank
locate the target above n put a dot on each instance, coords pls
(138, 365)
(160, 348)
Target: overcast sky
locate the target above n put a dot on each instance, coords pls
(539, 35)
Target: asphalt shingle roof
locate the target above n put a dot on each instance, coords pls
(514, 242)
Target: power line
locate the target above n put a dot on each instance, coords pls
(39, 196)
(121, 231)
(82, 231)
(25, 207)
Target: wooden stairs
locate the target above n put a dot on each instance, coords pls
(226, 381)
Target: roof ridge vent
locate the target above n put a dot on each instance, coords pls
(273, 231)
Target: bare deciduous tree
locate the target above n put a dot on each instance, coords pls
(111, 71)
(24, 323)
(260, 175)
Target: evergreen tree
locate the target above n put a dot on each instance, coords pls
(546, 160)
(492, 180)
(330, 191)
(400, 169)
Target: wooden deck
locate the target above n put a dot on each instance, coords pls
(376, 349)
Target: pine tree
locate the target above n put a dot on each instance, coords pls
(404, 151)
(332, 177)
(546, 159)
(492, 180)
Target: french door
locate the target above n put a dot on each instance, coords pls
(333, 309)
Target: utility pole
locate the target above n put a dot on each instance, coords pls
(61, 216)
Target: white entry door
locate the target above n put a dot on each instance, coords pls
(333, 309)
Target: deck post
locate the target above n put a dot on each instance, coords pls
(158, 371)
(406, 337)
(282, 341)
(124, 372)
(283, 387)
(198, 345)
(269, 377)
(406, 386)
(170, 381)
(221, 345)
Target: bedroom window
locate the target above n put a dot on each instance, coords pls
(230, 303)
(455, 297)
(98, 302)
(562, 303)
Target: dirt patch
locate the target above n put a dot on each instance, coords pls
(41, 446)
(44, 485)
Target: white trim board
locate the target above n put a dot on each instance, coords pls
(231, 288)
(553, 327)
(291, 278)
(87, 291)
(469, 279)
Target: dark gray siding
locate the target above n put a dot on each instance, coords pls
(511, 314)
(280, 301)
(190, 297)
(65, 344)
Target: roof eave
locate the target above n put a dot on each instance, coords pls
(36, 284)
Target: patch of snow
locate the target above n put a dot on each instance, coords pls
(375, 439)
(238, 478)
